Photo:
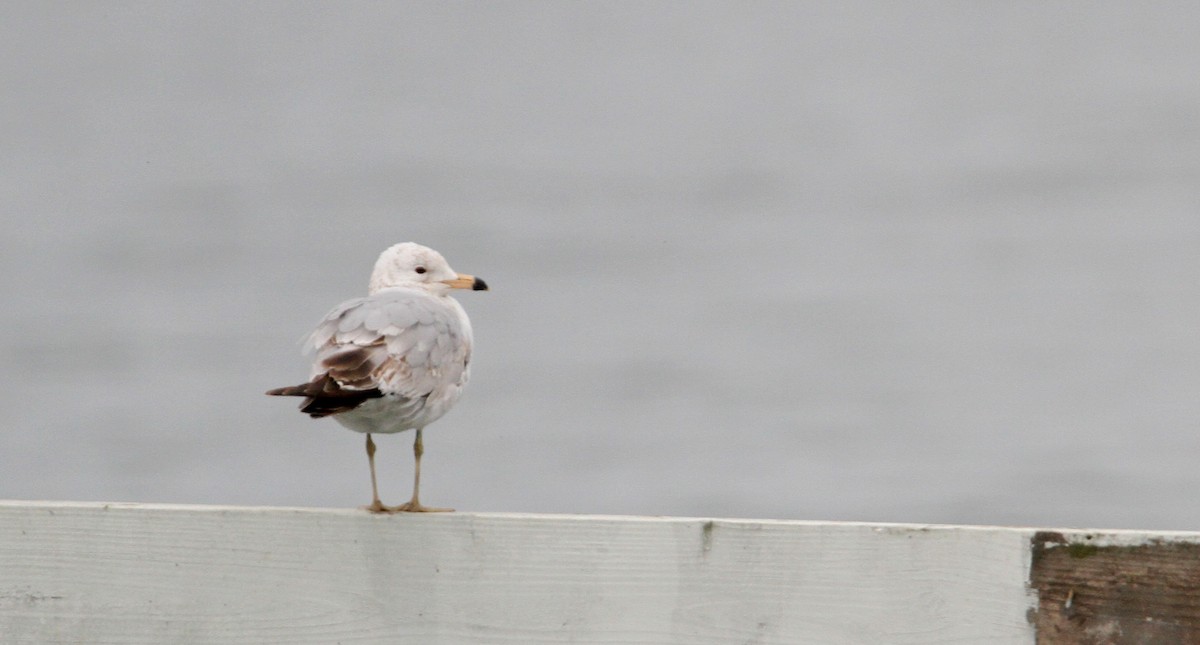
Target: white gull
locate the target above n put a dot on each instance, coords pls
(395, 360)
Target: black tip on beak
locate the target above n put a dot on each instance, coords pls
(479, 285)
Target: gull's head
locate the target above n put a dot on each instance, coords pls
(415, 266)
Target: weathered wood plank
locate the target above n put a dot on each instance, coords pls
(155, 574)
(1100, 589)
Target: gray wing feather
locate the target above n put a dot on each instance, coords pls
(376, 320)
(416, 343)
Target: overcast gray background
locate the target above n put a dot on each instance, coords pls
(926, 262)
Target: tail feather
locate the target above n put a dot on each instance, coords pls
(325, 396)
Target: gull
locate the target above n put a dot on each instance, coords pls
(395, 360)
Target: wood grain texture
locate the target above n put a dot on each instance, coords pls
(1097, 589)
(166, 574)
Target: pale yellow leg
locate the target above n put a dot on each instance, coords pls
(414, 505)
(376, 505)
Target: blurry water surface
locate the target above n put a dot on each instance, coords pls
(871, 261)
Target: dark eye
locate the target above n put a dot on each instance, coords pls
(420, 269)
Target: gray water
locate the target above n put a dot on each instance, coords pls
(846, 261)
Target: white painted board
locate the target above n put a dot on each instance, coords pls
(123, 573)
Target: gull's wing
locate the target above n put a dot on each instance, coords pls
(399, 341)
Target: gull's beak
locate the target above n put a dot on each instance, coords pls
(464, 281)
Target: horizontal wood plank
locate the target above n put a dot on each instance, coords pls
(1096, 590)
(125, 573)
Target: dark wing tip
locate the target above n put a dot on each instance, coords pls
(325, 396)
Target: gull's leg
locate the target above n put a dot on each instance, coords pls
(414, 505)
(376, 505)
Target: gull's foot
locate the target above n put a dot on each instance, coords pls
(377, 507)
(416, 507)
